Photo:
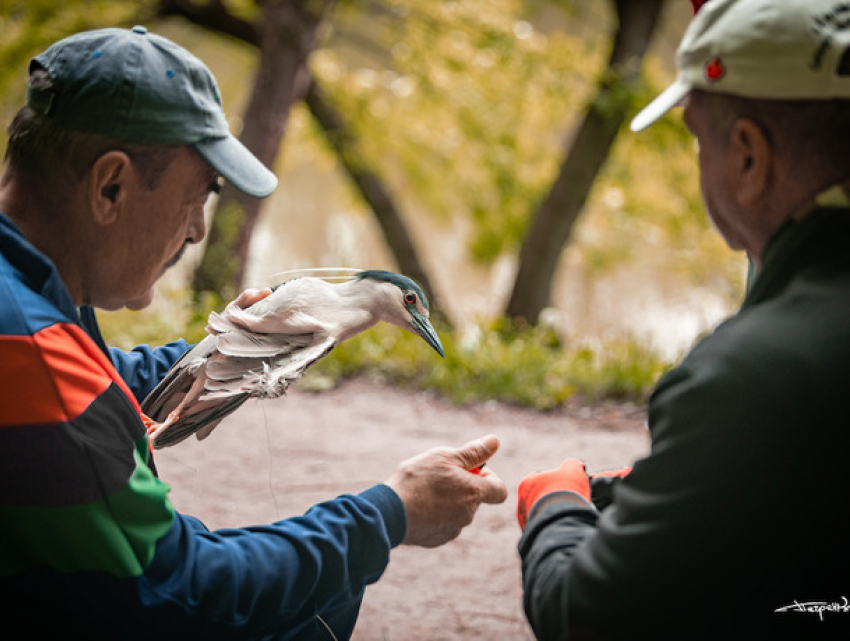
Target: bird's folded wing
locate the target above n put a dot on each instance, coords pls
(200, 419)
(261, 318)
(241, 343)
(177, 381)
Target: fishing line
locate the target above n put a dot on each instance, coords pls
(325, 273)
(274, 497)
(271, 462)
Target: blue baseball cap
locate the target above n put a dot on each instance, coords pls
(141, 88)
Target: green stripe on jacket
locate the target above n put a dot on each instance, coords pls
(117, 534)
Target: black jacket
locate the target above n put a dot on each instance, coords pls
(742, 507)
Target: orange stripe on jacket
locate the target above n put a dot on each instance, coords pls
(52, 376)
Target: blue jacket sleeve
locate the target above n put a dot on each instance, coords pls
(270, 580)
(143, 367)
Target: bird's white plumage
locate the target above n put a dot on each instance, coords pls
(259, 351)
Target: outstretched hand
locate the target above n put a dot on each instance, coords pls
(570, 476)
(439, 493)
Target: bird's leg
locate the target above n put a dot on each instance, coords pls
(155, 429)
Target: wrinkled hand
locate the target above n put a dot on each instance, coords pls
(570, 476)
(439, 493)
(251, 296)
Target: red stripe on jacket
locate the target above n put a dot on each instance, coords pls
(61, 367)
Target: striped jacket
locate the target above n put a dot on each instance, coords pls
(89, 541)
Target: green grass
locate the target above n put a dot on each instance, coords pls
(530, 367)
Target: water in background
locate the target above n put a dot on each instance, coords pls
(310, 222)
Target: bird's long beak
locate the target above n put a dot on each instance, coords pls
(423, 327)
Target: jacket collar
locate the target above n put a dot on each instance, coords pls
(817, 236)
(39, 271)
(42, 276)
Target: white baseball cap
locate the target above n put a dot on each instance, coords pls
(769, 49)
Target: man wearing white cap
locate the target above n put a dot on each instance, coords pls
(107, 171)
(737, 523)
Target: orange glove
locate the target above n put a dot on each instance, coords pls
(569, 477)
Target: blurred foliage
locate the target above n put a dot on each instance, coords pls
(466, 109)
(172, 315)
(30, 26)
(527, 366)
(530, 368)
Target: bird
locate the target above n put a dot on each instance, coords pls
(258, 351)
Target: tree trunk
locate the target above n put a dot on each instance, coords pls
(286, 35)
(553, 222)
(373, 191)
(223, 263)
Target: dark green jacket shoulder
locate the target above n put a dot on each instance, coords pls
(739, 509)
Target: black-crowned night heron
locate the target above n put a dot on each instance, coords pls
(258, 351)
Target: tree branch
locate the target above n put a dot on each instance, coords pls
(554, 219)
(211, 15)
(371, 188)
(215, 16)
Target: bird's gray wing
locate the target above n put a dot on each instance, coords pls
(177, 381)
(230, 380)
(200, 419)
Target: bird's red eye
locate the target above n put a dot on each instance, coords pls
(409, 298)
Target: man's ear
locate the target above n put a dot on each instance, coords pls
(752, 160)
(108, 189)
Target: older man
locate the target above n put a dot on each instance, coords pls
(108, 169)
(736, 524)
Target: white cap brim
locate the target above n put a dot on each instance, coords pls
(237, 165)
(669, 98)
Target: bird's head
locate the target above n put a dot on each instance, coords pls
(405, 305)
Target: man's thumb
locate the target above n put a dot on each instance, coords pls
(477, 452)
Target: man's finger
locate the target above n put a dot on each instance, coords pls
(493, 489)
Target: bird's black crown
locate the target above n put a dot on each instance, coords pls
(400, 281)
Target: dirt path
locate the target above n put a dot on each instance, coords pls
(275, 459)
